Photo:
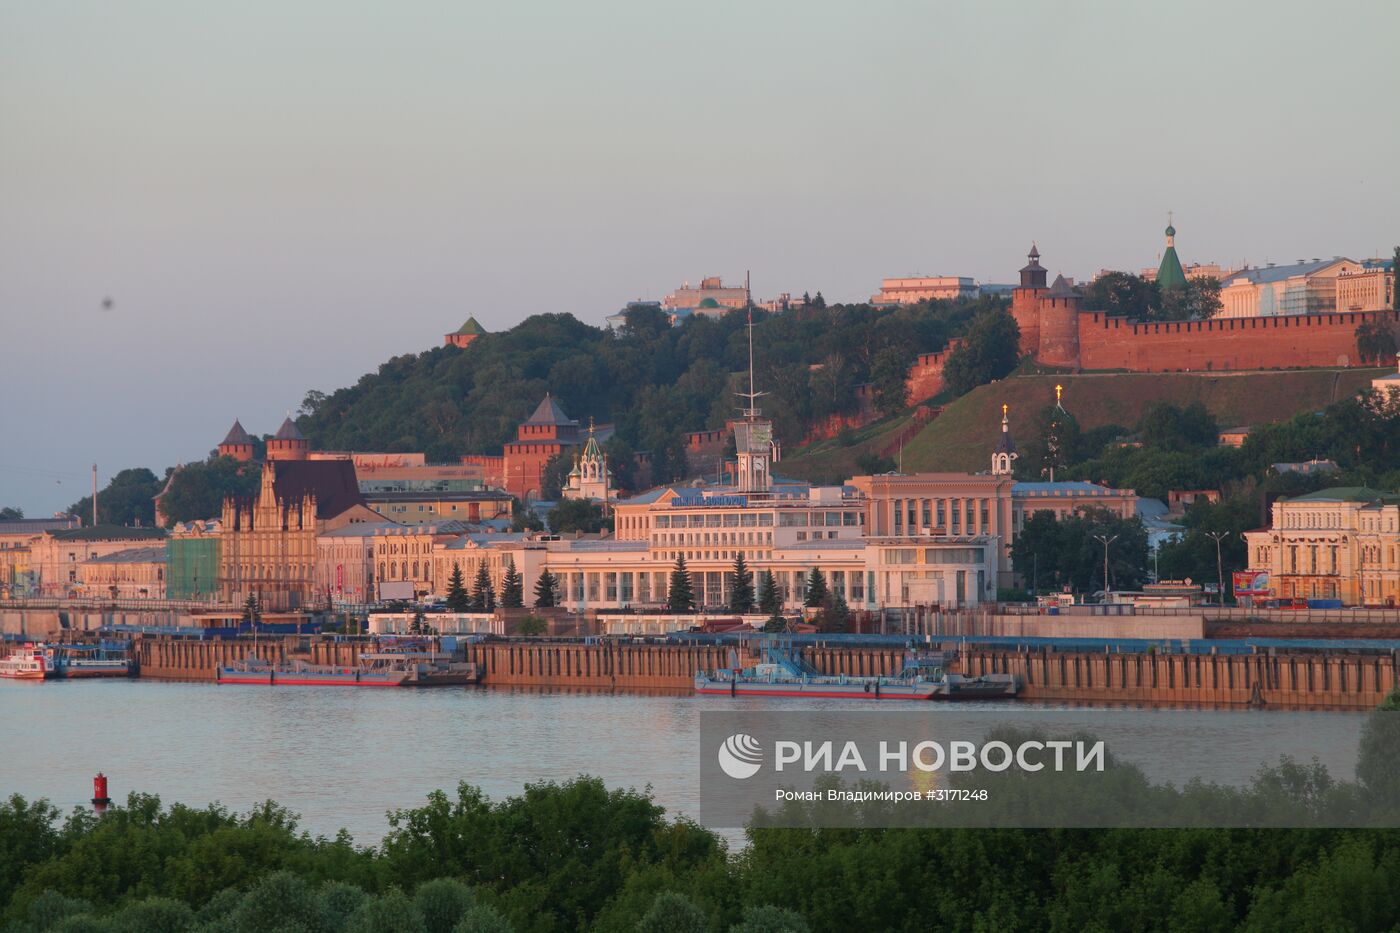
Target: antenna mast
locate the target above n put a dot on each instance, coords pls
(753, 395)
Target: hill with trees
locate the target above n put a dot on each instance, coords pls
(654, 381)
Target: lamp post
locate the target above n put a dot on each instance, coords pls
(1217, 537)
(1106, 540)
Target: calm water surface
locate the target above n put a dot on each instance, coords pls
(342, 758)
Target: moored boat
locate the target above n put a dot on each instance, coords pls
(303, 674)
(99, 660)
(782, 673)
(30, 662)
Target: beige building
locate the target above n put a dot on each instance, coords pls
(345, 563)
(912, 289)
(268, 540)
(1339, 543)
(416, 508)
(1368, 288)
(1304, 287)
(404, 558)
(711, 297)
(135, 573)
(57, 558)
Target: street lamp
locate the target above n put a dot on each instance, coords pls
(1217, 537)
(1106, 540)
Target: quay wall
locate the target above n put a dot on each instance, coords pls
(1333, 681)
(193, 659)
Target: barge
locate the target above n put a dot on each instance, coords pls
(782, 673)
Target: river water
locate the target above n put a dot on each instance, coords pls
(342, 758)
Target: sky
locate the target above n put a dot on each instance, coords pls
(279, 196)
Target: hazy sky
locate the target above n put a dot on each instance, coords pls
(279, 196)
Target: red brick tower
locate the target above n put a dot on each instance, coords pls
(1025, 303)
(1059, 325)
(287, 443)
(237, 444)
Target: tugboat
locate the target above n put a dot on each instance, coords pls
(30, 662)
(783, 673)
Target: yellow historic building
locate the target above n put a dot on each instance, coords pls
(1340, 543)
(268, 545)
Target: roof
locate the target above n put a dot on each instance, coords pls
(549, 412)
(449, 527)
(480, 539)
(332, 482)
(470, 327)
(359, 530)
(1061, 288)
(1347, 494)
(108, 533)
(1151, 508)
(471, 495)
(34, 526)
(236, 437)
(288, 431)
(1279, 273)
(1072, 487)
(133, 555)
(1170, 274)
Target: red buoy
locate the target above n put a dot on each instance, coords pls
(100, 800)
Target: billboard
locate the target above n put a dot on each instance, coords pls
(1252, 583)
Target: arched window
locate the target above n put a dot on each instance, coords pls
(381, 570)
(415, 570)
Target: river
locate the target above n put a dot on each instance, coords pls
(342, 758)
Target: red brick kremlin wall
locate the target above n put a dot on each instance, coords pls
(1282, 342)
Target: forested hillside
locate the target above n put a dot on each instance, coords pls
(654, 380)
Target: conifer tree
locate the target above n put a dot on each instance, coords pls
(252, 612)
(458, 599)
(770, 602)
(681, 595)
(512, 587)
(545, 590)
(741, 588)
(816, 589)
(483, 597)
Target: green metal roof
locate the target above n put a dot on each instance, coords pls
(1347, 494)
(1170, 274)
(471, 327)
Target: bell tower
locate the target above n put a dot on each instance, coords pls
(1004, 456)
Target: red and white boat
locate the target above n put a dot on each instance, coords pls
(31, 662)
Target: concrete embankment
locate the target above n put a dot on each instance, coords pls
(1324, 680)
(1339, 680)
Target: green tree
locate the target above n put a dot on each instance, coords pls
(816, 589)
(1375, 343)
(1123, 294)
(770, 601)
(577, 515)
(741, 586)
(483, 595)
(252, 612)
(458, 599)
(546, 590)
(532, 625)
(889, 379)
(523, 518)
(1165, 426)
(556, 475)
(1053, 445)
(10, 514)
(197, 490)
(673, 913)
(512, 587)
(680, 595)
(1068, 552)
(987, 353)
(835, 615)
(129, 499)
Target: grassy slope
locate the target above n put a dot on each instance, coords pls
(961, 439)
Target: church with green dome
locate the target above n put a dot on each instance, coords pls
(1170, 276)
